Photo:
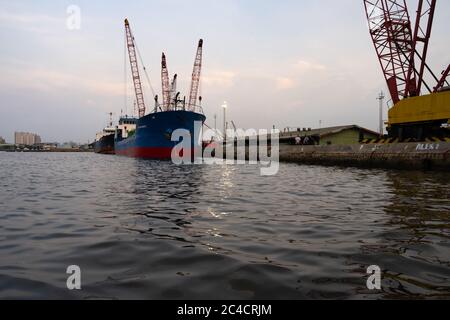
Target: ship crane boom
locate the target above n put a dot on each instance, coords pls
(165, 84)
(135, 70)
(193, 96)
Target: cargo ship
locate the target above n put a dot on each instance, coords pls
(104, 140)
(151, 136)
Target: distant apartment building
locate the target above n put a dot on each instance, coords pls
(2, 141)
(26, 138)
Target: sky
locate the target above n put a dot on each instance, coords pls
(290, 63)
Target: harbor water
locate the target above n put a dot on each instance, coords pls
(153, 230)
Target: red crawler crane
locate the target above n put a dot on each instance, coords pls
(390, 28)
(196, 77)
(421, 37)
(398, 45)
(135, 70)
(402, 52)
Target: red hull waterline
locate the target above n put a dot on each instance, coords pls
(157, 153)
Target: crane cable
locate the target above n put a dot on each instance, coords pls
(144, 68)
(200, 96)
(215, 131)
(125, 91)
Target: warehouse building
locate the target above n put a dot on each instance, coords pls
(340, 135)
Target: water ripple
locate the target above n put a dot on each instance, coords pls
(151, 230)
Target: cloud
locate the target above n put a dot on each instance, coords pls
(219, 78)
(47, 80)
(27, 18)
(284, 83)
(90, 102)
(304, 66)
(39, 23)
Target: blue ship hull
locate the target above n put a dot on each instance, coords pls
(152, 138)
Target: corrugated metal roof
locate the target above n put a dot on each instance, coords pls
(322, 132)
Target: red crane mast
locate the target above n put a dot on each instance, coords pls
(135, 70)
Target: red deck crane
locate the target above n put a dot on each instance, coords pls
(165, 84)
(196, 77)
(135, 70)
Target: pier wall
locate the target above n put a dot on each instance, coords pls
(428, 156)
(406, 156)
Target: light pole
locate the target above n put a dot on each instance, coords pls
(215, 124)
(225, 106)
(381, 99)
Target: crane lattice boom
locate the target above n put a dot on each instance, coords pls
(165, 84)
(443, 80)
(421, 38)
(196, 77)
(390, 29)
(135, 69)
(401, 49)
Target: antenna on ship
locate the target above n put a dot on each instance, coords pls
(173, 92)
(110, 119)
(156, 104)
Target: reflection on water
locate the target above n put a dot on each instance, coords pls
(419, 211)
(148, 229)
